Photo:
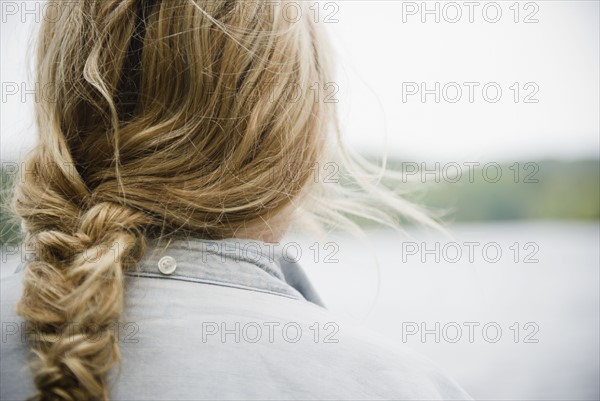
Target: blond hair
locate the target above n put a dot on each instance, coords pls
(168, 119)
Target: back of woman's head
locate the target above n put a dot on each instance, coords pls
(160, 119)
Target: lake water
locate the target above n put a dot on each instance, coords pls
(510, 310)
(518, 316)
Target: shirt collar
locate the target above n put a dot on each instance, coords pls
(239, 263)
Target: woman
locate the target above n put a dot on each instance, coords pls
(171, 157)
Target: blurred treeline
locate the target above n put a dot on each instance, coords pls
(9, 227)
(549, 189)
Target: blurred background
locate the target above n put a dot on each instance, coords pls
(494, 111)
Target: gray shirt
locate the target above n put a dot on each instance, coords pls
(230, 320)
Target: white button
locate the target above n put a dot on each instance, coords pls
(167, 265)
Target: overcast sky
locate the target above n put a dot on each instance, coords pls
(385, 53)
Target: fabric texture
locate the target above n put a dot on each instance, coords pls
(234, 321)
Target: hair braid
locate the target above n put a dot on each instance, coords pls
(72, 308)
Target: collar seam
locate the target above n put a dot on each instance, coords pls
(210, 282)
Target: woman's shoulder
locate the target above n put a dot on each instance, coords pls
(218, 342)
(189, 340)
(14, 375)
